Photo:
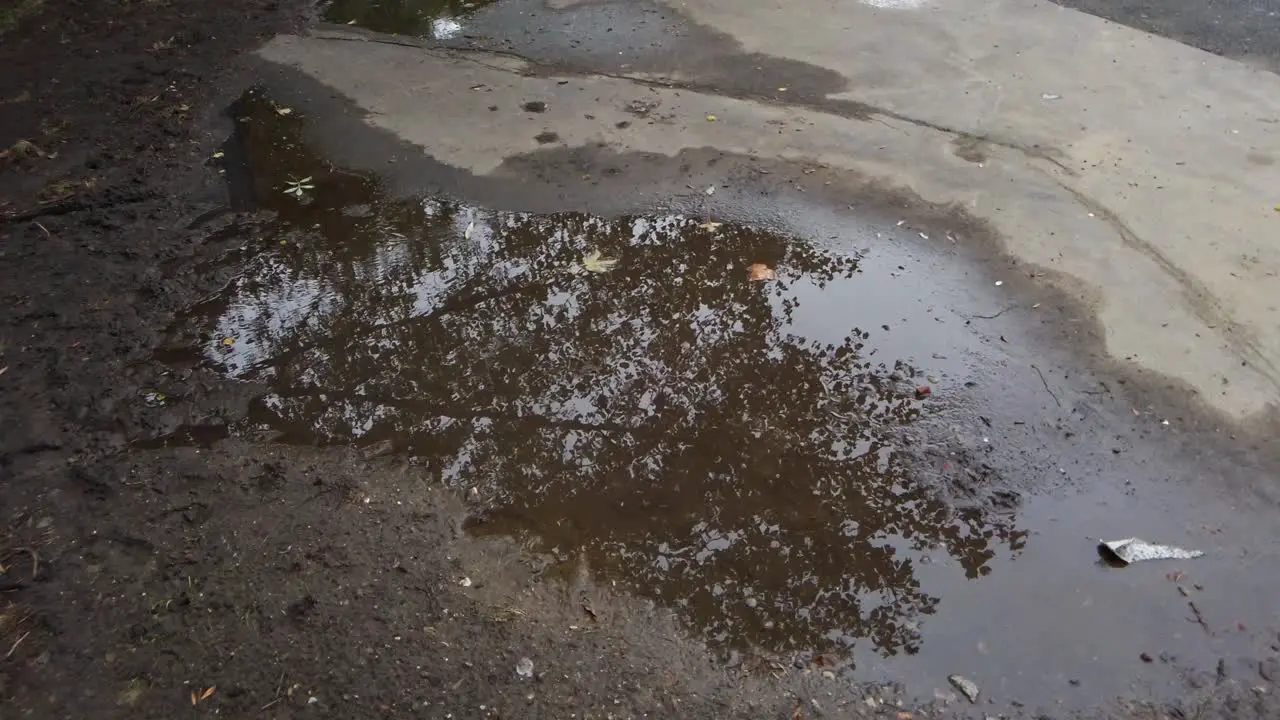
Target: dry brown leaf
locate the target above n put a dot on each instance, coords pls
(760, 271)
(208, 693)
(194, 699)
(798, 713)
(904, 715)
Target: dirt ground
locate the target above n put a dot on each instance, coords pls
(249, 579)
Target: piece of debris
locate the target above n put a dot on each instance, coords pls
(298, 188)
(923, 391)
(1146, 657)
(524, 668)
(710, 226)
(1132, 550)
(711, 118)
(471, 227)
(711, 190)
(465, 582)
(1050, 96)
(196, 699)
(760, 271)
(966, 686)
(595, 262)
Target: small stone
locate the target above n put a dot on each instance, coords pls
(524, 668)
(967, 687)
(751, 602)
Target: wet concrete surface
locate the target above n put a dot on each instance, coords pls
(755, 455)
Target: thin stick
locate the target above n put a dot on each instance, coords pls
(16, 644)
(1046, 386)
(277, 699)
(35, 558)
(993, 317)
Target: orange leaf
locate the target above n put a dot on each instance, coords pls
(208, 692)
(194, 699)
(760, 271)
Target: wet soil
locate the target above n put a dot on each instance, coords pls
(263, 453)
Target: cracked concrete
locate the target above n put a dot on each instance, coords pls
(1138, 171)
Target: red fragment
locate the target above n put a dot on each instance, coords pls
(923, 391)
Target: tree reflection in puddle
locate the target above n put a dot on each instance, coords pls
(438, 19)
(660, 421)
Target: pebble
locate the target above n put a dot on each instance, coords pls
(966, 687)
(1269, 669)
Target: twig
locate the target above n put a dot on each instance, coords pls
(1199, 618)
(277, 699)
(47, 234)
(1046, 386)
(993, 317)
(16, 643)
(35, 559)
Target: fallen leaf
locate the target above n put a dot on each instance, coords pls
(798, 713)
(782, 89)
(4, 369)
(904, 715)
(597, 263)
(710, 226)
(711, 190)
(760, 271)
(284, 110)
(228, 342)
(471, 226)
(711, 118)
(586, 607)
(218, 154)
(208, 693)
(194, 699)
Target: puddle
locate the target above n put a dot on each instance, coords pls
(733, 449)
(438, 19)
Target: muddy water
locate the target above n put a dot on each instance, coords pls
(438, 19)
(733, 448)
(750, 453)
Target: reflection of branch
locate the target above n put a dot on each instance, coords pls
(454, 304)
(451, 304)
(429, 408)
